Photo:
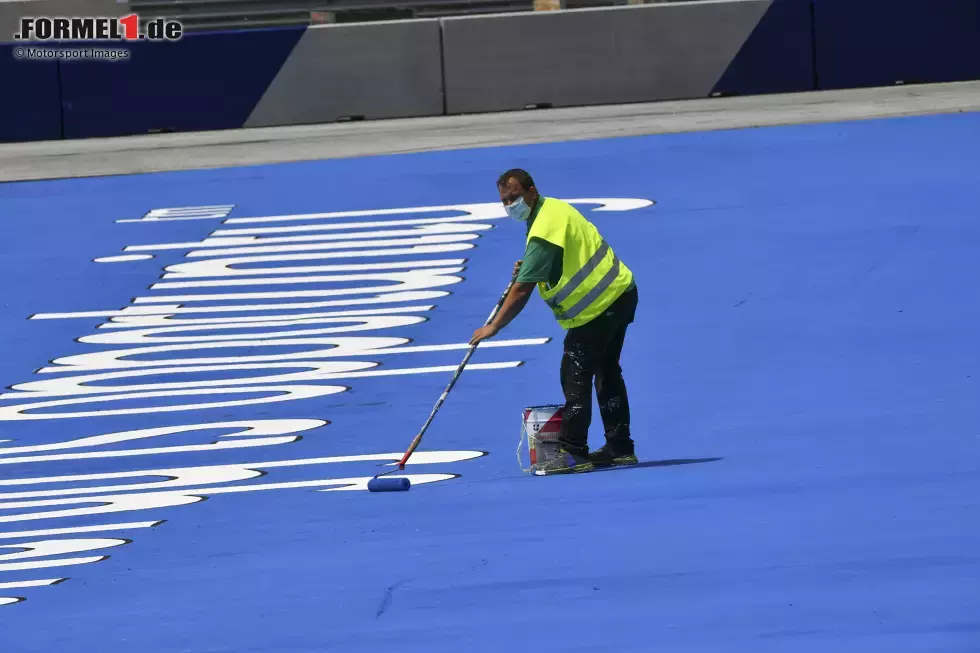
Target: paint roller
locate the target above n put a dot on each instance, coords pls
(400, 484)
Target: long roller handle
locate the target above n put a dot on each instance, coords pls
(445, 393)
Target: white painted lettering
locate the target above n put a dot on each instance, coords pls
(331, 347)
(252, 433)
(173, 309)
(186, 213)
(273, 394)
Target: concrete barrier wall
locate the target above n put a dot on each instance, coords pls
(484, 63)
(201, 82)
(861, 43)
(372, 70)
(778, 55)
(31, 106)
(604, 56)
(31, 109)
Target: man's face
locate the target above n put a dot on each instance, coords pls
(512, 191)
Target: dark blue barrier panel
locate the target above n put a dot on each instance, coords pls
(202, 82)
(31, 106)
(778, 55)
(879, 42)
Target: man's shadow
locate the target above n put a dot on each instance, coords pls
(658, 463)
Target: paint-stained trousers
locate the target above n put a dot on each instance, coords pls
(592, 354)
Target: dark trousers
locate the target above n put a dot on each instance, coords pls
(592, 355)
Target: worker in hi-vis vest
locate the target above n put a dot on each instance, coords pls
(593, 297)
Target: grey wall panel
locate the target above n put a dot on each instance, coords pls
(582, 57)
(375, 70)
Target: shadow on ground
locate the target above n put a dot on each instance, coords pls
(659, 463)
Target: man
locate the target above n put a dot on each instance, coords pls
(594, 298)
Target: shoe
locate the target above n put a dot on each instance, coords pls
(612, 456)
(563, 463)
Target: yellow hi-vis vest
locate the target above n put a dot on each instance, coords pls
(592, 276)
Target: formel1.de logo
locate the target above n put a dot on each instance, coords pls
(126, 28)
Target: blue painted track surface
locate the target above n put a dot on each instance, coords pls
(804, 374)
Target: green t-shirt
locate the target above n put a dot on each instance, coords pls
(542, 260)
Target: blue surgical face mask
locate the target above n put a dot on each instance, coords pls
(518, 210)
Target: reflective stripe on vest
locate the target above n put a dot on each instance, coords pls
(578, 279)
(575, 309)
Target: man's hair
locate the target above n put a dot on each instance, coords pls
(522, 177)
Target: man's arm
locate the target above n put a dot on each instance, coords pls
(538, 266)
(513, 305)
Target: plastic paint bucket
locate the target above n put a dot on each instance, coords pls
(542, 427)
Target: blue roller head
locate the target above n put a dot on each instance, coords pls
(389, 484)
